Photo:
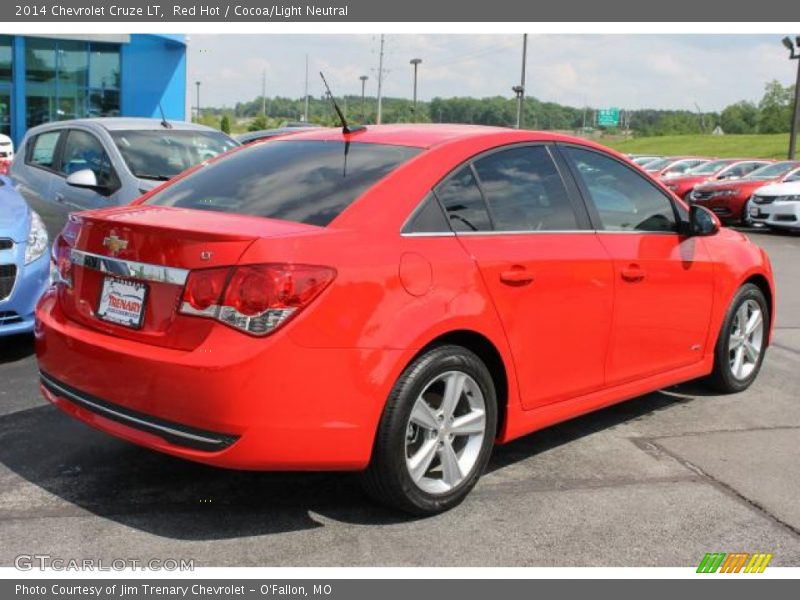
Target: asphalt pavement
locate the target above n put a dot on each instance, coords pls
(656, 481)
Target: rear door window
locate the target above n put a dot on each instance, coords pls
(524, 191)
(43, 150)
(308, 182)
(462, 200)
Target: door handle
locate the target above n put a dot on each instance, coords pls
(518, 276)
(633, 273)
(59, 197)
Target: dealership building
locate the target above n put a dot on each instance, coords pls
(49, 78)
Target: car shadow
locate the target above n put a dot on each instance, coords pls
(16, 347)
(177, 499)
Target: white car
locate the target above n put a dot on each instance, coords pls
(6, 153)
(777, 205)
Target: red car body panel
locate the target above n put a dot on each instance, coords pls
(310, 395)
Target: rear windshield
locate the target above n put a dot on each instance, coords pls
(708, 168)
(308, 182)
(162, 154)
(659, 164)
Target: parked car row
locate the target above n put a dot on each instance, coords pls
(70, 166)
(737, 190)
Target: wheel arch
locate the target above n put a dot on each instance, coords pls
(762, 283)
(488, 352)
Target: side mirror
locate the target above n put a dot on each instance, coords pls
(702, 222)
(85, 178)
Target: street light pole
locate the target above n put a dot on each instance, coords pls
(305, 95)
(520, 89)
(415, 62)
(380, 84)
(794, 55)
(363, 79)
(197, 83)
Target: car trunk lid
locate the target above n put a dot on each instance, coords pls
(135, 260)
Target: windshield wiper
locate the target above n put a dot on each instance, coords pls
(156, 177)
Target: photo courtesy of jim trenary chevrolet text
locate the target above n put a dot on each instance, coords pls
(362, 299)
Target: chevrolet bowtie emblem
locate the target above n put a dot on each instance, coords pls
(114, 244)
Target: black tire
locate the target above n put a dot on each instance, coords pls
(387, 478)
(722, 378)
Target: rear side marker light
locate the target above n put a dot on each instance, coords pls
(256, 299)
(61, 264)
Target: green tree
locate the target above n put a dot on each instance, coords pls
(741, 117)
(225, 124)
(259, 123)
(775, 108)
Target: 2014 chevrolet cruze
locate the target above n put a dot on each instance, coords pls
(395, 300)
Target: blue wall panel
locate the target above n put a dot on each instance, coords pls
(153, 71)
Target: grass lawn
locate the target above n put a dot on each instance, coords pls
(749, 146)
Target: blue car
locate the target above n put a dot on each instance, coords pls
(24, 261)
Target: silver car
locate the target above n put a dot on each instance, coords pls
(69, 166)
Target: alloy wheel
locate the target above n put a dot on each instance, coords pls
(445, 432)
(746, 339)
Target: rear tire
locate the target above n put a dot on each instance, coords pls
(742, 342)
(436, 433)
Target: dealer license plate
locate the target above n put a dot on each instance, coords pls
(122, 302)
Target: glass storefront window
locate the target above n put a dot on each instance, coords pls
(40, 76)
(5, 58)
(73, 64)
(40, 60)
(6, 70)
(103, 103)
(5, 115)
(104, 73)
(69, 79)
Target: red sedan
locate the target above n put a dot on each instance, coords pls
(395, 301)
(728, 199)
(726, 169)
(673, 165)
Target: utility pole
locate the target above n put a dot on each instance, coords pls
(520, 89)
(415, 62)
(794, 55)
(305, 95)
(380, 84)
(264, 93)
(197, 83)
(363, 79)
(702, 118)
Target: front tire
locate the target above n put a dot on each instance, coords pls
(742, 341)
(436, 433)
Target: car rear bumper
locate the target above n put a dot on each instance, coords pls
(17, 309)
(236, 401)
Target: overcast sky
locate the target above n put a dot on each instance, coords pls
(628, 71)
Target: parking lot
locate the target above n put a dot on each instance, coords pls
(656, 481)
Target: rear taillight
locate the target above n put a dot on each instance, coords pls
(61, 267)
(256, 299)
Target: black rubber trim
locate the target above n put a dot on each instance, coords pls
(174, 433)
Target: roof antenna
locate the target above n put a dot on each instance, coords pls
(345, 127)
(164, 123)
